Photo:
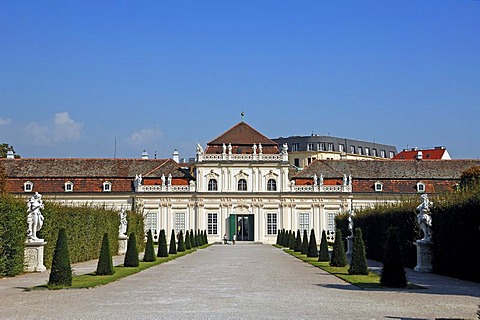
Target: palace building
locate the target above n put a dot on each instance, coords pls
(240, 184)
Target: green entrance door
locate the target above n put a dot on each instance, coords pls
(242, 225)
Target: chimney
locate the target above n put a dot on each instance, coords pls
(176, 156)
(10, 154)
(419, 155)
(145, 155)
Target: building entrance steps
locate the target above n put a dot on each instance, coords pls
(234, 282)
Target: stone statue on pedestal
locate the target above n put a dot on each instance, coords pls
(424, 219)
(34, 217)
(122, 228)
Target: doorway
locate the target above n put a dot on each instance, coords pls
(242, 225)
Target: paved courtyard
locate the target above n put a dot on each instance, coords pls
(236, 282)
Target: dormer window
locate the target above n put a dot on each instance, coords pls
(378, 186)
(69, 186)
(28, 186)
(107, 186)
(420, 187)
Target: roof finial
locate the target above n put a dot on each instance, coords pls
(243, 115)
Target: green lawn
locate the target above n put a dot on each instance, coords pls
(91, 280)
(370, 281)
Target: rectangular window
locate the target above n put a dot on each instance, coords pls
(309, 160)
(296, 162)
(330, 147)
(310, 146)
(375, 154)
(272, 223)
(321, 146)
(151, 221)
(304, 222)
(331, 221)
(341, 147)
(360, 150)
(391, 154)
(295, 146)
(382, 153)
(367, 151)
(179, 221)
(352, 149)
(212, 223)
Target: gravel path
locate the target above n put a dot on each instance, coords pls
(236, 282)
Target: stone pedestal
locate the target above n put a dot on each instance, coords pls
(33, 261)
(349, 244)
(122, 244)
(424, 256)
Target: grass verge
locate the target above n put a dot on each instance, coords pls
(370, 281)
(91, 280)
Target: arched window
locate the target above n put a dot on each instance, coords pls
(271, 185)
(242, 185)
(28, 186)
(378, 186)
(212, 185)
(420, 187)
(69, 186)
(107, 186)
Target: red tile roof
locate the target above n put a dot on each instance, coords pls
(427, 154)
(242, 137)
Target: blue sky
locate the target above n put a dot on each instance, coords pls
(161, 75)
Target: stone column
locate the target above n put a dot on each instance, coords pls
(33, 261)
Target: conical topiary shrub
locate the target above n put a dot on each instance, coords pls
(278, 237)
(305, 242)
(188, 243)
(162, 244)
(197, 238)
(131, 256)
(339, 258)
(173, 244)
(149, 255)
(298, 242)
(105, 263)
(393, 272)
(291, 243)
(358, 265)
(193, 240)
(312, 246)
(61, 272)
(205, 237)
(181, 242)
(323, 253)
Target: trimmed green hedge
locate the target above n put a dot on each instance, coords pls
(13, 233)
(456, 235)
(85, 226)
(376, 222)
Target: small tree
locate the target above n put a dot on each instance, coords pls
(149, 255)
(339, 258)
(393, 272)
(173, 245)
(312, 245)
(278, 237)
(61, 272)
(162, 244)
(305, 242)
(323, 254)
(188, 243)
(105, 263)
(358, 264)
(298, 242)
(197, 238)
(131, 256)
(181, 242)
